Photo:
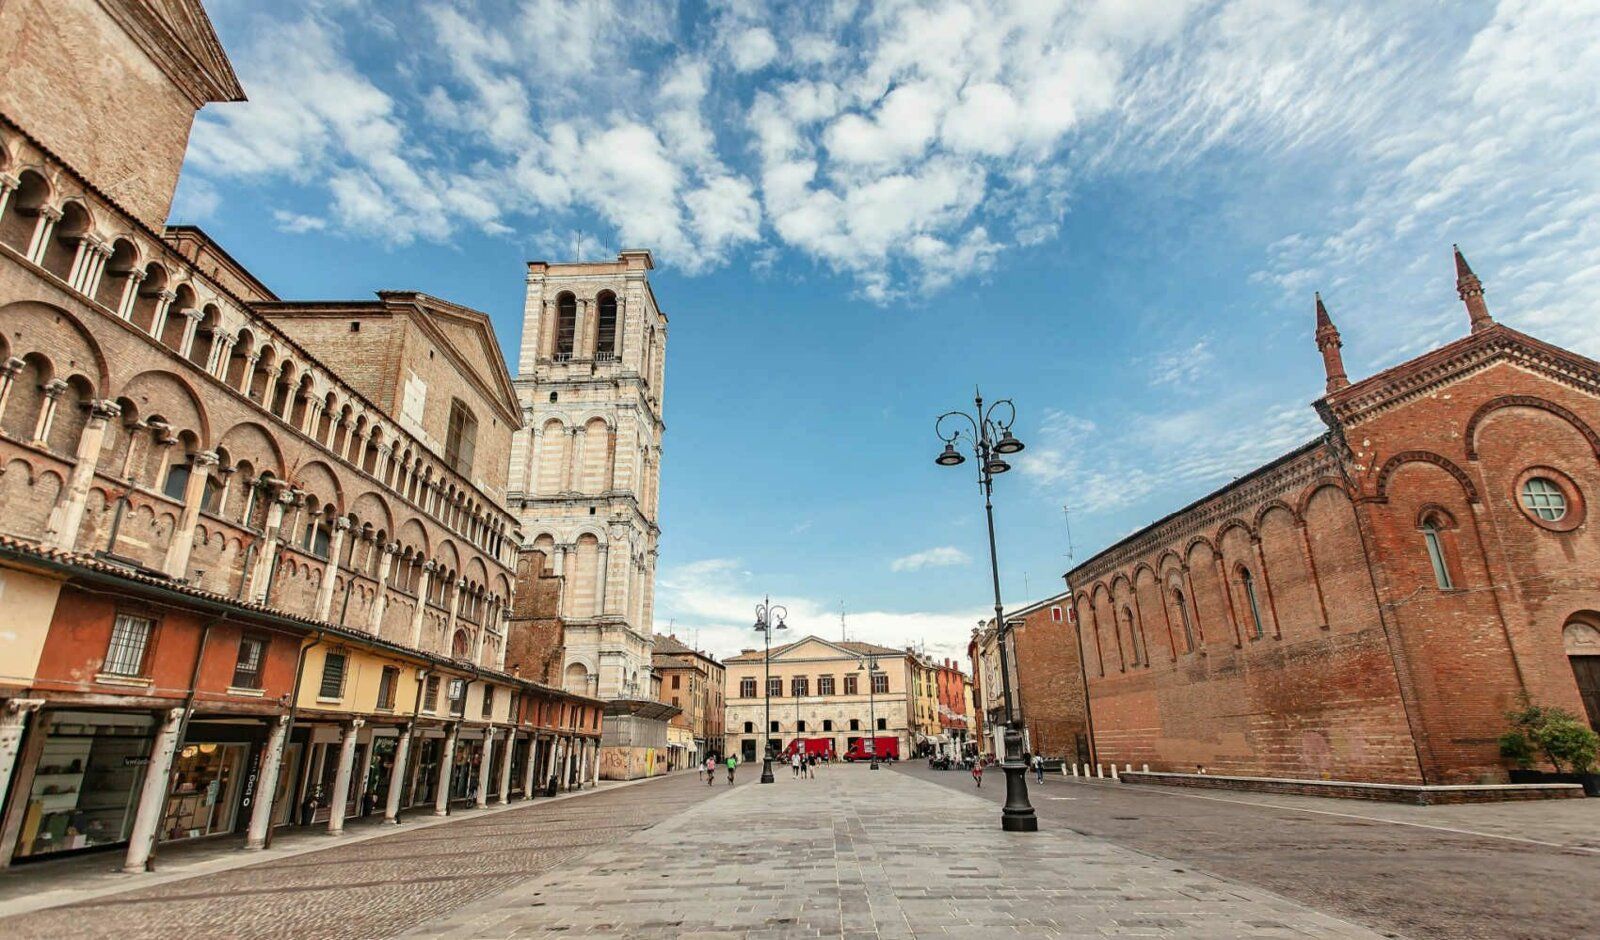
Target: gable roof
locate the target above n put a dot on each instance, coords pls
(178, 36)
(469, 337)
(850, 648)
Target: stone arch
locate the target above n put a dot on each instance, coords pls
(30, 325)
(317, 477)
(575, 678)
(371, 508)
(142, 311)
(1269, 506)
(119, 267)
(75, 224)
(170, 397)
(1526, 401)
(249, 441)
(1231, 524)
(32, 194)
(1313, 488)
(1423, 456)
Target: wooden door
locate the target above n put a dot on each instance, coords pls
(1587, 671)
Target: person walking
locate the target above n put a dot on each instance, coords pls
(711, 770)
(733, 764)
(811, 766)
(1038, 768)
(794, 764)
(977, 772)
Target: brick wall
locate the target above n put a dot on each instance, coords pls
(1050, 684)
(533, 629)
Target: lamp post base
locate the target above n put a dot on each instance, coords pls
(1018, 815)
(873, 765)
(766, 771)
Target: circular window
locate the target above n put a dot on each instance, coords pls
(1542, 497)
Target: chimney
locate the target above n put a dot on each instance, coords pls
(1471, 291)
(1328, 343)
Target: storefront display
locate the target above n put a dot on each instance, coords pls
(86, 782)
(203, 797)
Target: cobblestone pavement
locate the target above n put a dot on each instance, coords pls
(1526, 870)
(380, 887)
(857, 853)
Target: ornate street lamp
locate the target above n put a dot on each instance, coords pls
(988, 433)
(766, 613)
(869, 665)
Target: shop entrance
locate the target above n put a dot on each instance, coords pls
(85, 782)
(205, 786)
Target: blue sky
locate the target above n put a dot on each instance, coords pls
(1112, 211)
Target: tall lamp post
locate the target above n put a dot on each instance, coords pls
(869, 665)
(766, 613)
(987, 432)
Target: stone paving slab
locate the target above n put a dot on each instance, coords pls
(858, 853)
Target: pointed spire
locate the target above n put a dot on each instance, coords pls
(1471, 291)
(1328, 343)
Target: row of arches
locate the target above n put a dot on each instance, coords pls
(585, 329)
(60, 233)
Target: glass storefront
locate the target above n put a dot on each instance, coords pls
(425, 771)
(204, 793)
(86, 782)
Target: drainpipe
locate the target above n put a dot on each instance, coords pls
(294, 711)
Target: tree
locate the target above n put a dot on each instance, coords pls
(1554, 733)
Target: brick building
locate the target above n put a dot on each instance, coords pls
(1369, 605)
(1046, 679)
(953, 698)
(693, 681)
(251, 577)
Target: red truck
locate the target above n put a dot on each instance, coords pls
(818, 746)
(888, 748)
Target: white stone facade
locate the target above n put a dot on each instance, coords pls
(586, 465)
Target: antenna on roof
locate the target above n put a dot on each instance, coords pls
(1066, 513)
(842, 635)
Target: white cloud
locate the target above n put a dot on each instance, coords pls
(1183, 367)
(944, 556)
(753, 49)
(715, 597)
(295, 223)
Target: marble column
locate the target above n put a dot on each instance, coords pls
(441, 798)
(68, 516)
(340, 798)
(397, 775)
(267, 785)
(181, 543)
(153, 793)
(330, 570)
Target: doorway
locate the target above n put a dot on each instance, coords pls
(1581, 640)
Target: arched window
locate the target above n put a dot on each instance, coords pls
(566, 326)
(605, 343)
(1249, 583)
(460, 645)
(1135, 641)
(1183, 614)
(1435, 544)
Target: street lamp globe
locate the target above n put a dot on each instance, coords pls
(1007, 444)
(996, 466)
(951, 457)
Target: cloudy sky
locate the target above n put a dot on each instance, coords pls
(1113, 211)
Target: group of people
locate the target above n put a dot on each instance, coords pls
(1033, 762)
(710, 768)
(804, 765)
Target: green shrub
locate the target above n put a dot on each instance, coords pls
(1561, 737)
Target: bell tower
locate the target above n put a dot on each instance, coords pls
(586, 465)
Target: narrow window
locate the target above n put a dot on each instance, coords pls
(430, 694)
(461, 437)
(1441, 570)
(675, 678)
(747, 688)
(775, 687)
(458, 698)
(566, 326)
(247, 668)
(488, 701)
(177, 481)
(851, 687)
(130, 639)
(387, 682)
(824, 685)
(855, 724)
(1183, 612)
(333, 668)
(1250, 595)
(880, 683)
(605, 348)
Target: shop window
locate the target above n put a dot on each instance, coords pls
(333, 671)
(880, 683)
(430, 694)
(203, 799)
(247, 668)
(387, 683)
(824, 685)
(850, 686)
(747, 688)
(488, 701)
(87, 782)
(130, 640)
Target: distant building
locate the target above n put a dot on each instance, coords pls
(1046, 679)
(1369, 605)
(693, 681)
(819, 690)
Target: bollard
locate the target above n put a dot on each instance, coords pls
(1099, 771)
(1145, 768)
(1074, 769)
(1127, 768)
(1114, 772)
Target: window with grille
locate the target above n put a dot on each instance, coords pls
(747, 688)
(775, 687)
(880, 683)
(1542, 497)
(430, 694)
(247, 668)
(130, 640)
(824, 685)
(488, 700)
(387, 683)
(461, 438)
(850, 686)
(333, 672)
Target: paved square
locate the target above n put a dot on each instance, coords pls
(862, 853)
